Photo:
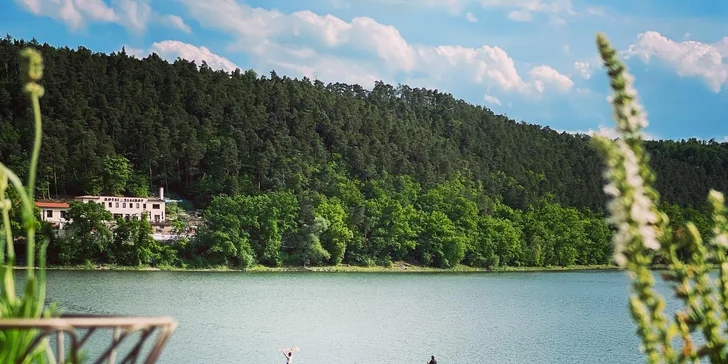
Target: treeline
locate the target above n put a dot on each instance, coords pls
(394, 219)
(380, 222)
(299, 172)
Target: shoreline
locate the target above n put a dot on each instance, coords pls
(400, 268)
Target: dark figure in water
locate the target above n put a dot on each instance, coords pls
(432, 361)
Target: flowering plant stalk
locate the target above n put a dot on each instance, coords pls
(15, 342)
(642, 235)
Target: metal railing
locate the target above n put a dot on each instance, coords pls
(123, 328)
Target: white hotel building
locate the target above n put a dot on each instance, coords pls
(53, 212)
(126, 207)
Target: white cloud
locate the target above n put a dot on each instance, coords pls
(96, 10)
(519, 10)
(72, 12)
(390, 45)
(31, 5)
(470, 17)
(520, 15)
(340, 4)
(584, 69)
(605, 131)
(482, 65)
(454, 7)
(595, 10)
(273, 39)
(333, 68)
(491, 99)
(135, 52)
(136, 14)
(523, 10)
(171, 49)
(176, 22)
(689, 58)
(547, 75)
(76, 14)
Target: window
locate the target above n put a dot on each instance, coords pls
(116, 216)
(117, 204)
(49, 213)
(144, 205)
(109, 204)
(137, 204)
(63, 214)
(123, 205)
(155, 206)
(156, 218)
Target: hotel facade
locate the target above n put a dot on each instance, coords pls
(54, 213)
(119, 207)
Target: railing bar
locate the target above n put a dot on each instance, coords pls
(161, 342)
(56, 323)
(33, 344)
(75, 346)
(59, 346)
(111, 350)
(133, 353)
(122, 327)
(85, 337)
(112, 357)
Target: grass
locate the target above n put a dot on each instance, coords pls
(398, 268)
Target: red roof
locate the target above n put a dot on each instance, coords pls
(51, 205)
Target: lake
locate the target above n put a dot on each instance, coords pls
(233, 317)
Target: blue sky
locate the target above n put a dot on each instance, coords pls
(533, 60)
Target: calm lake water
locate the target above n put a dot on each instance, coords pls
(336, 318)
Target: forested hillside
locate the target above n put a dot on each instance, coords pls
(371, 163)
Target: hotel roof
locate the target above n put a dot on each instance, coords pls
(51, 205)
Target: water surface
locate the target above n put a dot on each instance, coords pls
(232, 317)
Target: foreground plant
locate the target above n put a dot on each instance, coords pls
(15, 342)
(642, 236)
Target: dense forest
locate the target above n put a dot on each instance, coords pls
(295, 171)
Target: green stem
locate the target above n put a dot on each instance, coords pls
(28, 211)
(8, 230)
(36, 146)
(42, 278)
(31, 181)
(7, 271)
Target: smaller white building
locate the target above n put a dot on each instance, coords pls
(126, 207)
(53, 212)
